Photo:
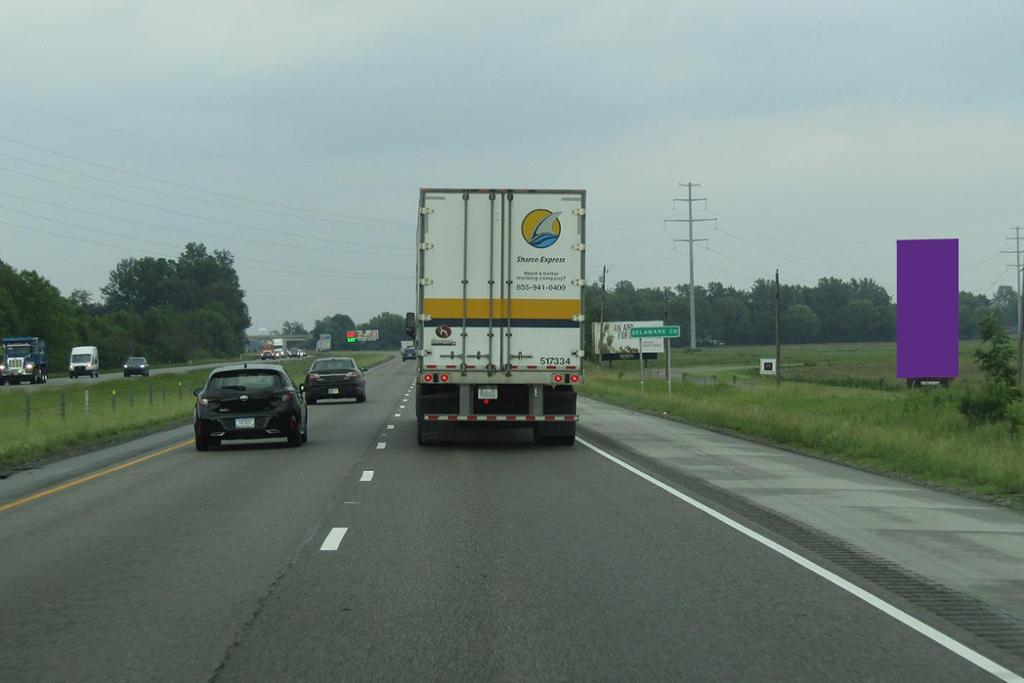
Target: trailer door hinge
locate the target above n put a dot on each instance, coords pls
(580, 282)
(425, 317)
(579, 353)
(578, 318)
(424, 210)
(424, 281)
(580, 212)
(424, 246)
(580, 247)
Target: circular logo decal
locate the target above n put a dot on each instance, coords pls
(541, 228)
(443, 331)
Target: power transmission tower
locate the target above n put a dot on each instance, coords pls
(1020, 302)
(690, 220)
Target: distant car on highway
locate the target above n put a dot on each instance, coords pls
(408, 353)
(249, 401)
(335, 378)
(267, 354)
(136, 365)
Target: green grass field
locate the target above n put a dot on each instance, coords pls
(869, 365)
(42, 424)
(919, 434)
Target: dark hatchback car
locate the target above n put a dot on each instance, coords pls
(335, 378)
(136, 365)
(408, 353)
(249, 401)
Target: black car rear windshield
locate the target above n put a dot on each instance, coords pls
(335, 364)
(245, 380)
(135, 359)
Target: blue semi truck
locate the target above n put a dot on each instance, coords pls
(23, 360)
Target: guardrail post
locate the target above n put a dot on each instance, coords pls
(63, 406)
(87, 400)
(113, 400)
(179, 391)
(28, 409)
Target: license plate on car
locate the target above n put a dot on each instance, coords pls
(245, 422)
(489, 393)
(332, 391)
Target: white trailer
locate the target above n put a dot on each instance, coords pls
(498, 323)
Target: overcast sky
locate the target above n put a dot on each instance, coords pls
(297, 134)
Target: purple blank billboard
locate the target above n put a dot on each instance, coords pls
(927, 309)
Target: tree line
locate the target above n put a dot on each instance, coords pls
(169, 310)
(833, 310)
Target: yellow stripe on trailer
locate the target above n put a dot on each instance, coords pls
(476, 309)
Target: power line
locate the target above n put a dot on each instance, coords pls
(297, 269)
(195, 188)
(200, 200)
(351, 247)
(157, 207)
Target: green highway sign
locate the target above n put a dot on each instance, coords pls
(647, 332)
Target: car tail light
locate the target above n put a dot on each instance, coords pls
(574, 378)
(428, 378)
(351, 375)
(444, 378)
(558, 379)
(287, 396)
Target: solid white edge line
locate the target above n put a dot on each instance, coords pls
(367, 475)
(391, 426)
(381, 445)
(334, 537)
(954, 646)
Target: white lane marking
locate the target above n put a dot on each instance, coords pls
(333, 539)
(398, 415)
(367, 475)
(391, 426)
(381, 445)
(954, 646)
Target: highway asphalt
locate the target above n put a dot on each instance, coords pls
(361, 556)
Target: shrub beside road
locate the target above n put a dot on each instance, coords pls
(43, 424)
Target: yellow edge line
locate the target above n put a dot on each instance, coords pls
(95, 475)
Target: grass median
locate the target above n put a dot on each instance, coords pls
(52, 421)
(916, 434)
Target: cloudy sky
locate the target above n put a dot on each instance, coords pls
(296, 135)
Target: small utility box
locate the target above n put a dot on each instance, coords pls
(767, 366)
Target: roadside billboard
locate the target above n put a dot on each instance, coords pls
(927, 309)
(323, 343)
(614, 343)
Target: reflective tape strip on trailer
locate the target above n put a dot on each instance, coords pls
(501, 418)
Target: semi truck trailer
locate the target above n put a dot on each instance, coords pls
(499, 313)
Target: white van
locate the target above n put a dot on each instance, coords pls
(85, 360)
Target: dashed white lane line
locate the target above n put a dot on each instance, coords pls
(333, 539)
(381, 445)
(954, 646)
(391, 426)
(367, 475)
(398, 415)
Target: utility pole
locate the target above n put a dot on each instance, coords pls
(668, 345)
(778, 339)
(600, 328)
(1020, 303)
(690, 220)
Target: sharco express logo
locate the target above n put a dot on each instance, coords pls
(541, 228)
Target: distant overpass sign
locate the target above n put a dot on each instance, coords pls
(659, 332)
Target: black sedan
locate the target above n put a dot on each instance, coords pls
(249, 401)
(136, 365)
(335, 378)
